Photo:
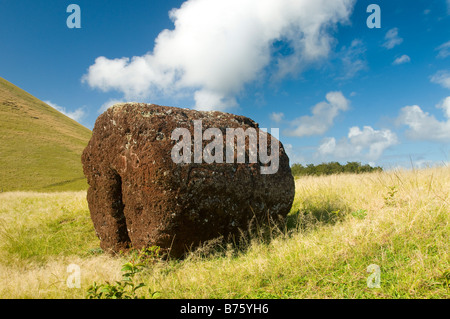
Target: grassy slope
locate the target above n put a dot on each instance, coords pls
(404, 228)
(40, 148)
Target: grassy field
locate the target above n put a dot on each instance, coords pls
(40, 148)
(338, 226)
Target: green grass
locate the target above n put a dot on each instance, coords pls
(339, 225)
(40, 148)
(40, 226)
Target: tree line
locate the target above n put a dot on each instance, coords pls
(332, 168)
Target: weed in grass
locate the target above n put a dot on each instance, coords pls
(360, 214)
(126, 288)
(390, 199)
(123, 289)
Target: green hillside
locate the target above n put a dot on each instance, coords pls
(40, 148)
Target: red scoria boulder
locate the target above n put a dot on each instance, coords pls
(156, 177)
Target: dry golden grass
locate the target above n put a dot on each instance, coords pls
(398, 220)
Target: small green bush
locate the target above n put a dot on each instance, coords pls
(127, 287)
(360, 213)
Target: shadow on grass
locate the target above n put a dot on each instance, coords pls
(311, 213)
(64, 182)
(316, 211)
(306, 215)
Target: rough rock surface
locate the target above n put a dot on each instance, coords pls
(139, 197)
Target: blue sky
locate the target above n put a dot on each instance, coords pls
(336, 89)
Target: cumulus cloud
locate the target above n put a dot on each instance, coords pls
(392, 39)
(108, 104)
(401, 60)
(276, 117)
(322, 118)
(444, 50)
(293, 154)
(367, 144)
(423, 126)
(442, 78)
(218, 46)
(445, 105)
(76, 115)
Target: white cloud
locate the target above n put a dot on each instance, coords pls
(108, 104)
(444, 50)
(294, 156)
(445, 105)
(426, 163)
(442, 78)
(322, 118)
(392, 39)
(367, 144)
(276, 117)
(353, 59)
(423, 126)
(403, 59)
(218, 46)
(328, 146)
(76, 115)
